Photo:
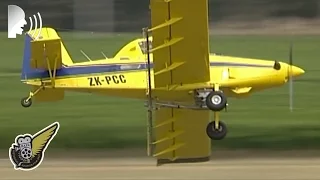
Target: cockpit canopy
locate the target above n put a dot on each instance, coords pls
(134, 49)
(143, 46)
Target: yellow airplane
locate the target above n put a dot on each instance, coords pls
(173, 70)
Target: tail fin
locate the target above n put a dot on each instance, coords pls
(26, 69)
(46, 35)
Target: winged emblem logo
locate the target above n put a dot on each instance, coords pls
(28, 150)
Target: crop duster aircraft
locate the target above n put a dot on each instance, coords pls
(173, 70)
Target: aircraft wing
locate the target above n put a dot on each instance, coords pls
(181, 136)
(180, 42)
(180, 58)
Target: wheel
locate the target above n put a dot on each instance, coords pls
(25, 102)
(216, 101)
(216, 133)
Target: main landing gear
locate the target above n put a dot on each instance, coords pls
(216, 101)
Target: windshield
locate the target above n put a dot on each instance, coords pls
(143, 46)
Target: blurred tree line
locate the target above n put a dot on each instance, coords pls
(132, 15)
(129, 11)
(261, 9)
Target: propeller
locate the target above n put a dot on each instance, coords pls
(289, 75)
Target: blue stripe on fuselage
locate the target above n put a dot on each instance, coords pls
(96, 69)
(82, 70)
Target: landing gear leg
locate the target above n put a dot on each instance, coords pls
(216, 101)
(27, 101)
(216, 130)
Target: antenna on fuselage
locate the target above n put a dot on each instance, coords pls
(85, 55)
(104, 55)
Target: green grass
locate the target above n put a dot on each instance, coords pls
(92, 121)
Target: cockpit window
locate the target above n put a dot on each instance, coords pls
(143, 46)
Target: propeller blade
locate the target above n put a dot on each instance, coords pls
(290, 78)
(290, 54)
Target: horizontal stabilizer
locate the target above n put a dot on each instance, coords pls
(46, 54)
(48, 95)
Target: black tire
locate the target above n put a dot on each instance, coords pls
(216, 133)
(216, 101)
(25, 102)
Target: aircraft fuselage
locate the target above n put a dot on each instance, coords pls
(129, 78)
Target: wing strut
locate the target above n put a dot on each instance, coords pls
(149, 92)
(50, 69)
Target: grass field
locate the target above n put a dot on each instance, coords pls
(91, 121)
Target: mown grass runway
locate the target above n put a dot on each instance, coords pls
(92, 121)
